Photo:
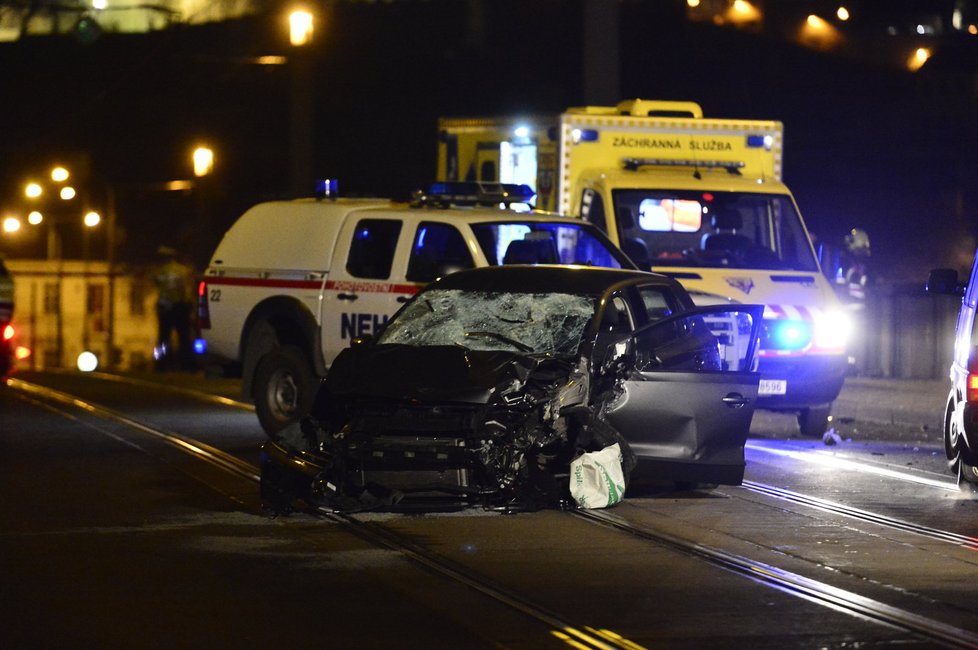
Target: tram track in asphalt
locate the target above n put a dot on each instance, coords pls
(815, 591)
(582, 637)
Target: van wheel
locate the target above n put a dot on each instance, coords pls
(813, 421)
(960, 460)
(283, 388)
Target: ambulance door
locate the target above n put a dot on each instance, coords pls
(366, 285)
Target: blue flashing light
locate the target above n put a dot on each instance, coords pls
(421, 236)
(200, 346)
(788, 334)
(327, 188)
(585, 135)
(755, 141)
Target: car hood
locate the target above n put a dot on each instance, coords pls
(430, 374)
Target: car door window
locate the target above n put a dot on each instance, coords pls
(438, 249)
(372, 249)
(708, 339)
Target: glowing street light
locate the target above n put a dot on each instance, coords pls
(842, 14)
(203, 158)
(59, 174)
(300, 27)
(918, 59)
(67, 193)
(92, 219)
(11, 224)
(33, 190)
(35, 218)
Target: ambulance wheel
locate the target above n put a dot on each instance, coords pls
(284, 388)
(813, 421)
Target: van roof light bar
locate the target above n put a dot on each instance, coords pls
(732, 166)
(472, 193)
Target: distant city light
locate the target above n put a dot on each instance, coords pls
(918, 59)
(67, 193)
(11, 224)
(815, 22)
(33, 190)
(521, 132)
(87, 361)
(59, 174)
(92, 219)
(973, 29)
(99, 5)
(35, 218)
(693, 3)
(842, 14)
(818, 33)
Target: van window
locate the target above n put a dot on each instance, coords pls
(372, 249)
(438, 249)
(592, 209)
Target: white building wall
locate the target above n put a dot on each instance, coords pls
(58, 330)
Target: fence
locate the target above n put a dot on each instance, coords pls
(904, 333)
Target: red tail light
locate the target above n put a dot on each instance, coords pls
(203, 310)
(8, 332)
(972, 388)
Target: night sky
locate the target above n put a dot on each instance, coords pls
(866, 145)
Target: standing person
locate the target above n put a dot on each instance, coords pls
(174, 306)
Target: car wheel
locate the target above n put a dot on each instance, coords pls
(813, 421)
(283, 388)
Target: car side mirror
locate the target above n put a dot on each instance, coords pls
(944, 281)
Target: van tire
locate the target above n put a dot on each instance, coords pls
(283, 388)
(813, 421)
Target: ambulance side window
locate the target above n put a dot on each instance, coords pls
(438, 249)
(592, 209)
(372, 249)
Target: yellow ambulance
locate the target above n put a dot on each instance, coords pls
(699, 199)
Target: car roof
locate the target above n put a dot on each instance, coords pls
(544, 278)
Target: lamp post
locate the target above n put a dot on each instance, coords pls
(36, 192)
(301, 23)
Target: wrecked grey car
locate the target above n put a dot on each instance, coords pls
(484, 387)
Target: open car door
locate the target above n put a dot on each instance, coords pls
(688, 391)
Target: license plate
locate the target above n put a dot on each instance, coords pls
(772, 387)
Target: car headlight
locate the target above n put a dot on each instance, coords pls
(832, 330)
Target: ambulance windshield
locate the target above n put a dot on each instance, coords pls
(712, 229)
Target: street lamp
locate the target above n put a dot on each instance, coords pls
(300, 27)
(203, 158)
(301, 24)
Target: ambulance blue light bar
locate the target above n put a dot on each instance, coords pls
(757, 141)
(327, 188)
(584, 135)
(473, 193)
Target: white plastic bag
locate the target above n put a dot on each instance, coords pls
(596, 478)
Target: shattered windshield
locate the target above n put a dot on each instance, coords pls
(533, 242)
(713, 229)
(549, 323)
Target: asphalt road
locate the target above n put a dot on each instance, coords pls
(114, 537)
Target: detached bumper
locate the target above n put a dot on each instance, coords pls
(810, 380)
